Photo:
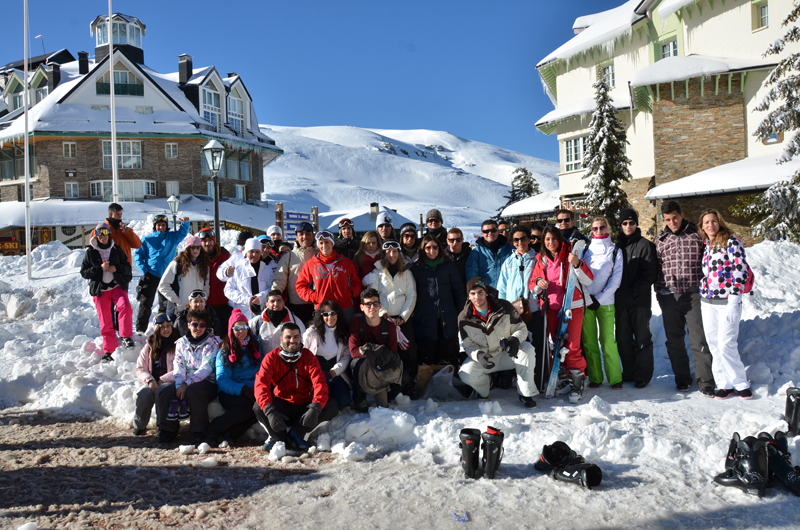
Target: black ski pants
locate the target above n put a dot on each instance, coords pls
(681, 311)
(635, 342)
(147, 291)
(199, 395)
(238, 417)
(294, 413)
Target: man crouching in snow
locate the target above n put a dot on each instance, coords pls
(291, 392)
(495, 339)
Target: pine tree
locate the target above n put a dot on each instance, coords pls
(605, 161)
(523, 185)
(774, 212)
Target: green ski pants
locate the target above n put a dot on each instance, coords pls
(603, 317)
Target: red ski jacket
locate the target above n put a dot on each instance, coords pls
(217, 295)
(297, 383)
(329, 278)
(558, 285)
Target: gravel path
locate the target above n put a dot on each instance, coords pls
(75, 473)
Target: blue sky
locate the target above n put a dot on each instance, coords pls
(465, 67)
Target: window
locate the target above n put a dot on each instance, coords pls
(102, 34)
(103, 188)
(210, 107)
(760, 14)
(39, 94)
(575, 149)
(71, 190)
(669, 49)
(244, 170)
(235, 116)
(125, 83)
(149, 188)
(205, 170)
(763, 16)
(144, 110)
(129, 190)
(129, 155)
(135, 35)
(233, 169)
(606, 72)
(70, 149)
(173, 188)
(119, 32)
(210, 191)
(241, 193)
(12, 164)
(16, 101)
(172, 150)
(100, 107)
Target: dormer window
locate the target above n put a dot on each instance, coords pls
(235, 115)
(125, 83)
(210, 107)
(121, 33)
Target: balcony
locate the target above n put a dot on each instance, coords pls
(120, 89)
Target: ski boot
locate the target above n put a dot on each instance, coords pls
(780, 463)
(470, 451)
(587, 475)
(562, 385)
(564, 464)
(792, 415)
(746, 466)
(556, 455)
(492, 451)
(576, 379)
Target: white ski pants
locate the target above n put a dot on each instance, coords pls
(721, 324)
(476, 376)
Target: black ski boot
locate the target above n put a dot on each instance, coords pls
(780, 463)
(556, 455)
(792, 415)
(587, 475)
(746, 466)
(576, 379)
(470, 451)
(492, 451)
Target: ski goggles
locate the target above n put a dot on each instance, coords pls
(164, 317)
(197, 294)
(206, 233)
(304, 227)
(240, 327)
(345, 222)
(391, 244)
(103, 232)
(161, 218)
(324, 234)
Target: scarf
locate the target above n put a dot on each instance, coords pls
(604, 236)
(276, 317)
(435, 263)
(194, 341)
(113, 223)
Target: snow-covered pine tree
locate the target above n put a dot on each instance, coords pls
(605, 160)
(523, 185)
(774, 212)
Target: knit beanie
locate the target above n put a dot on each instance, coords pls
(434, 214)
(252, 244)
(628, 214)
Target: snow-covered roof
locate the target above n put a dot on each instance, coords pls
(58, 212)
(681, 68)
(746, 175)
(547, 123)
(362, 221)
(602, 29)
(668, 7)
(544, 202)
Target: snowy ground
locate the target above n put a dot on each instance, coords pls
(658, 449)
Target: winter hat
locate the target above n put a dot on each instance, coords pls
(193, 240)
(274, 229)
(477, 283)
(628, 214)
(384, 218)
(251, 244)
(408, 227)
(238, 316)
(264, 239)
(434, 214)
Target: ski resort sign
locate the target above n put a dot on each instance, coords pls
(290, 221)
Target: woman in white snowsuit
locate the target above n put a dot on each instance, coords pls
(189, 272)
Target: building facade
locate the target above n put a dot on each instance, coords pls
(685, 77)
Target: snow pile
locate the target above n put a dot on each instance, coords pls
(581, 108)
(681, 68)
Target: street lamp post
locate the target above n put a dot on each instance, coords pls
(174, 203)
(215, 156)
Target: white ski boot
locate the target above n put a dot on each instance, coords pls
(576, 379)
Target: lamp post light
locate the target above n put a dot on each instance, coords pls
(215, 156)
(173, 203)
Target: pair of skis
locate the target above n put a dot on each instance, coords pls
(558, 349)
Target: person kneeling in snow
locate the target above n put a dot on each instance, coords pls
(291, 392)
(109, 273)
(494, 337)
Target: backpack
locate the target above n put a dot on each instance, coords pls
(751, 280)
(362, 327)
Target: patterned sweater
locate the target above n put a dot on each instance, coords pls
(680, 257)
(724, 270)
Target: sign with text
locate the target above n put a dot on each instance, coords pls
(297, 216)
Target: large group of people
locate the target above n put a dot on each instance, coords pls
(289, 335)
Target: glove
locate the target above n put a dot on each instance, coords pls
(276, 420)
(595, 305)
(311, 417)
(402, 341)
(486, 360)
(511, 346)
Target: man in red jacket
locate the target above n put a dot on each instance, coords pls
(218, 256)
(329, 276)
(291, 392)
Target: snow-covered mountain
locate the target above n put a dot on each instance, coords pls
(341, 168)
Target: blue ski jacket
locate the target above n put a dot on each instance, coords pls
(158, 250)
(485, 263)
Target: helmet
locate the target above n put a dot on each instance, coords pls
(160, 218)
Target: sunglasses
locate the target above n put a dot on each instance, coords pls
(490, 231)
(410, 235)
(563, 220)
(519, 239)
(370, 304)
(384, 225)
(628, 223)
(195, 247)
(506, 230)
(328, 314)
(205, 234)
(164, 317)
(201, 325)
(599, 228)
(324, 234)
(535, 238)
(240, 327)
(433, 221)
(304, 227)
(391, 244)
(430, 247)
(104, 232)
(456, 240)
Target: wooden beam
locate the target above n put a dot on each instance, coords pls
(716, 89)
(699, 9)
(730, 78)
(702, 86)
(687, 89)
(658, 93)
(672, 89)
(744, 81)
(710, 4)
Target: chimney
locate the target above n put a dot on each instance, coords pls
(184, 68)
(83, 63)
(53, 76)
(232, 74)
(373, 210)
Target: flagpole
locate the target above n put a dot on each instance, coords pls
(26, 143)
(114, 171)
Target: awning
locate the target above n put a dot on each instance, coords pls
(750, 175)
(693, 66)
(542, 203)
(547, 123)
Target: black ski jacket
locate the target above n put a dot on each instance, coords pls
(92, 270)
(639, 270)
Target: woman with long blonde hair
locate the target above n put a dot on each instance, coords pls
(368, 254)
(725, 273)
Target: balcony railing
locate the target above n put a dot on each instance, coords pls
(120, 89)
